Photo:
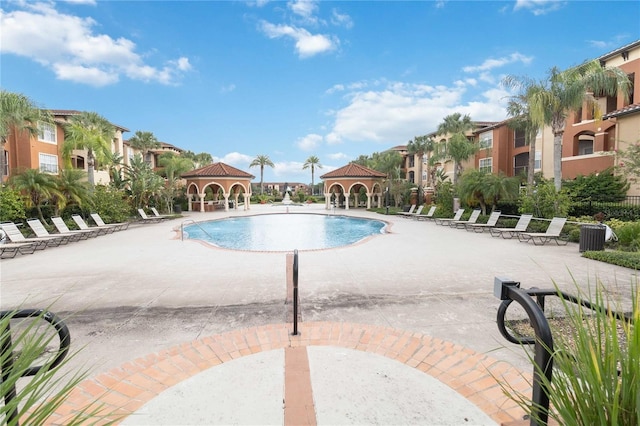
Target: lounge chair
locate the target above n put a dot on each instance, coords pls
(521, 226)
(15, 236)
(157, 214)
(446, 221)
(553, 233)
(118, 226)
(461, 224)
(102, 230)
(10, 250)
(409, 213)
(146, 218)
(41, 232)
(416, 213)
(83, 234)
(480, 227)
(427, 216)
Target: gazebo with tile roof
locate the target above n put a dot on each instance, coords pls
(348, 180)
(220, 177)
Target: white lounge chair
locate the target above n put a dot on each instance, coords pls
(15, 236)
(427, 216)
(41, 232)
(10, 250)
(102, 230)
(117, 226)
(520, 227)
(146, 218)
(83, 234)
(157, 214)
(480, 227)
(410, 212)
(447, 220)
(553, 233)
(415, 213)
(461, 224)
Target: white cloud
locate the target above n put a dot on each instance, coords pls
(69, 46)
(290, 169)
(303, 8)
(490, 64)
(306, 44)
(338, 156)
(335, 88)
(539, 7)
(89, 2)
(341, 19)
(309, 142)
(228, 88)
(236, 159)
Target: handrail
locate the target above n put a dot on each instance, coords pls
(195, 223)
(295, 292)
(509, 291)
(6, 344)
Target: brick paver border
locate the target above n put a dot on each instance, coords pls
(124, 389)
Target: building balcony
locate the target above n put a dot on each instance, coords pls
(586, 164)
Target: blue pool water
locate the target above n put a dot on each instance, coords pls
(285, 232)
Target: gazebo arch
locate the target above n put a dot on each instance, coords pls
(218, 176)
(351, 177)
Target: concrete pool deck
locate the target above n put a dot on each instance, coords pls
(152, 315)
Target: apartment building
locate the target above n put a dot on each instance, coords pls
(44, 151)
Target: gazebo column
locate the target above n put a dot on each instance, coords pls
(247, 201)
(226, 201)
(202, 201)
(327, 201)
(189, 206)
(369, 196)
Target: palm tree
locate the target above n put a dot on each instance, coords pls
(144, 142)
(419, 146)
(262, 161)
(518, 108)
(567, 91)
(389, 163)
(38, 188)
(143, 181)
(92, 132)
(18, 112)
(458, 147)
(312, 162)
(72, 185)
(174, 165)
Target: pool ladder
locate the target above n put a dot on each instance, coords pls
(195, 223)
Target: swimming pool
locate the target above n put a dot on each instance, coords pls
(285, 232)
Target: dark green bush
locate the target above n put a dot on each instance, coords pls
(111, 204)
(11, 206)
(620, 258)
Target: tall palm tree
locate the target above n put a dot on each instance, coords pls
(567, 91)
(38, 188)
(144, 142)
(419, 146)
(92, 132)
(173, 166)
(18, 112)
(389, 163)
(262, 161)
(312, 162)
(518, 109)
(73, 187)
(458, 147)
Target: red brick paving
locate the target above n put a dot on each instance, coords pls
(475, 376)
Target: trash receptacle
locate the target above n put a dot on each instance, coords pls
(592, 238)
(177, 208)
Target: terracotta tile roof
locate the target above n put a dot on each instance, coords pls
(353, 170)
(218, 170)
(70, 112)
(629, 109)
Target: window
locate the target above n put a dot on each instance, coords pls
(411, 177)
(47, 132)
(48, 163)
(538, 164)
(412, 161)
(5, 172)
(486, 165)
(486, 140)
(585, 147)
(519, 138)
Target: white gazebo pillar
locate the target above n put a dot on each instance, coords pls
(327, 201)
(204, 194)
(369, 196)
(226, 201)
(247, 201)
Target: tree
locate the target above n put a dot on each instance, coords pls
(18, 112)
(419, 146)
(37, 186)
(388, 163)
(518, 108)
(92, 132)
(73, 188)
(173, 166)
(567, 91)
(312, 162)
(458, 148)
(144, 182)
(144, 142)
(262, 161)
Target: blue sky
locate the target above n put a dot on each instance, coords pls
(291, 79)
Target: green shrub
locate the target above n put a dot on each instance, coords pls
(621, 258)
(629, 236)
(111, 204)
(12, 207)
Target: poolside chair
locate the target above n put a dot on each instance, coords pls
(102, 230)
(82, 234)
(446, 221)
(409, 213)
(428, 216)
(553, 233)
(480, 227)
(149, 219)
(117, 226)
(15, 236)
(156, 214)
(416, 213)
(507, 233)
(10, 250)
(461, 224)
(41, 232)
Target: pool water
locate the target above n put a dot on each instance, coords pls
(285, 232)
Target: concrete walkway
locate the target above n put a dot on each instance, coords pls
(392, 326)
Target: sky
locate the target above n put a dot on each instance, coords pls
(294, 79)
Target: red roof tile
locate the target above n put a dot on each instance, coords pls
(353, 170)
(629, 109)
(218, 170)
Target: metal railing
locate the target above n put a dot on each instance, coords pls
(8, 356)
(295, 292)
(509, 291)
(195, 223)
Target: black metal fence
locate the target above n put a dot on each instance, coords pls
(627, 209)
